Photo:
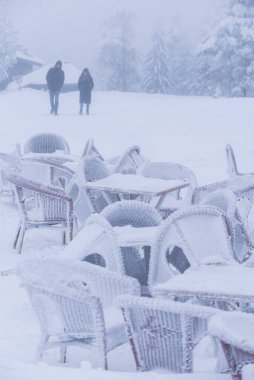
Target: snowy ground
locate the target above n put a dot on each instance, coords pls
(189, 130)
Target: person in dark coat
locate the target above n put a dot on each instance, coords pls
(55, 81)
(85, 85)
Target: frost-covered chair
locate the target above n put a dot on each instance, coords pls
(6, 189)
(50, 159)
(242, 186)
(45, 172)
(170, 170)
(96, 243)
(8, 162)
(193, 236)
(46, 143)
(92, 168)
(234, 331)
(232, 169)
(129, 161)
(74, 304)
(41, 206)
(161, 332)
(83, 207)
(136, 255)
(91, 150)
(226, 201)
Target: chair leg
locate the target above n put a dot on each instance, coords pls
(63, 237)
(16, 237)
(105, 362)
(21, 239)
(41, 346)
(70, 230)
(75, 224)
(63, 353)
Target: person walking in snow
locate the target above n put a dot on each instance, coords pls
(55, 81)
(85, 85)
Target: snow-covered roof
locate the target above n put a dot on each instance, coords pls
(38, 77)
(26, 56)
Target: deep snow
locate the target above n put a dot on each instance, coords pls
(190, 130)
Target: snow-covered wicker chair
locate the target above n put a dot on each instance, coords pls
(161, 332)
(5, 187)
(50, 159)
(92, 168)
(73, 301)
(235, 333)
(8, 162)
(41, 206)
(96, 243)
(46, 143)
(171, 170)
(231, 162)
(45, 171)
(193, 236)
(226, 201)
(136, 214)
(242, 186)
(82, 205)
(91, 150)
(232, 169)
(129, 161)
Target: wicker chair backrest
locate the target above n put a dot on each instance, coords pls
(46, 143)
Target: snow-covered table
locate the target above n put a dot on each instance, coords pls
(135, 184)
(217, 282)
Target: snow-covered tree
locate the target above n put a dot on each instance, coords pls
(180, 61)
(8, 43)
(225, 58)
(117, 57)
(168, 63)
(156, 77)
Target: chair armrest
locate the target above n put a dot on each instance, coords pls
(52, 191)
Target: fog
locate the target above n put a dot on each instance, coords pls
(71, 30)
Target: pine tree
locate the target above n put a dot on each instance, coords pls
(156, 77)
(225, 58)
(8, 44)
(180, 61)
(117, 58)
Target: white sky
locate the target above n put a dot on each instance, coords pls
(71, 29)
